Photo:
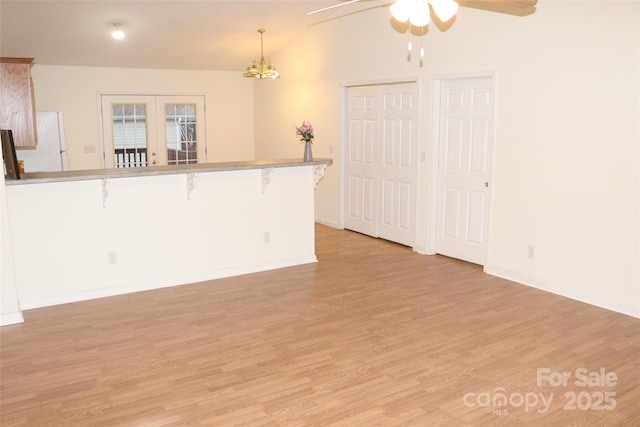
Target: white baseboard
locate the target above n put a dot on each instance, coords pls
(31, 303)
(11, 319)
(422, 250)
(559, 290)
(332, 224)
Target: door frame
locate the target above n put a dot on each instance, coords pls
(437, 83)
(99, 118)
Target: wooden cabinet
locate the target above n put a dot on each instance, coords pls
(17, 102)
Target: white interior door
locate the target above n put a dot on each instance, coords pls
(398, 169)
(381, 169)
(149, 130)
(362, 160)
(465, 150)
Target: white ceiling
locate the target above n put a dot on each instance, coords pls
(172, 34)
(176, 34)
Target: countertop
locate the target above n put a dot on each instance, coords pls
(91, 174)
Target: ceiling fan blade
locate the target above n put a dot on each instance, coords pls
(516, 3)
(332, 7)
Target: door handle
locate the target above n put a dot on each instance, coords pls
(153, 162)
(486, 184)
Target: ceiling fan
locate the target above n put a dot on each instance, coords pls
(417, 11)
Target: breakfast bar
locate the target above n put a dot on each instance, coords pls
(96, 233)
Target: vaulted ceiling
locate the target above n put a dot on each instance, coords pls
(175, 34)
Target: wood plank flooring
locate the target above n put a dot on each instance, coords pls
(371, 335)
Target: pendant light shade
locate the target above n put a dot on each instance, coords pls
(261, 68)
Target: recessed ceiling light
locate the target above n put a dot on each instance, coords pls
(117, 33)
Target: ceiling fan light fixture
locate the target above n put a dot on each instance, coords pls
(420, 15)
(261, 68)
(417, 11)
(444, 9)
(401, 10)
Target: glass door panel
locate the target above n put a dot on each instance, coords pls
(183, 130)
(180, 133)
(129, 135)
(145, 131)
(128, 131)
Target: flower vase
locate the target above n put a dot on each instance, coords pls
(308, 156)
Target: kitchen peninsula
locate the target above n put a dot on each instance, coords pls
(86, 234)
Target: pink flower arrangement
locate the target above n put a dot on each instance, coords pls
(305, 131)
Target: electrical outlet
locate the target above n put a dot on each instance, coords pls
(266, 237)
(112, 257)
(531, 252)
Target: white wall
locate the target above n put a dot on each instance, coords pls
(75, 90)
(566, 164)
(9, 308)
(162, 235)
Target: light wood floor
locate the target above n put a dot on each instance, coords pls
(371, 335)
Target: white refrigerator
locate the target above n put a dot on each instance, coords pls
(50, 155)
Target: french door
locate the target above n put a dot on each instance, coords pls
(465, 152)
(381, 167)
(148, 130)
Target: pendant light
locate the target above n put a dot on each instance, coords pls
(260, 68)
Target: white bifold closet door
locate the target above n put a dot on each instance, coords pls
(381, 160)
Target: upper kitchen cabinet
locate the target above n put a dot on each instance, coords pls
(17, 101)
